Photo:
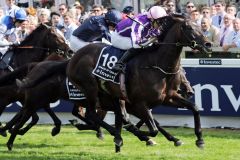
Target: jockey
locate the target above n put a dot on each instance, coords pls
(136, 33)
(128, 11)
(95, 28)
(14, 35)
(10, 36)
(13, 25)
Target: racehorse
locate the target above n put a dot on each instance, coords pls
(43, 41)
(151, 78)
(52, 89)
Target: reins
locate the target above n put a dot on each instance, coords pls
(191, 44)
(56, 50)
(162, 70)
(178, 44)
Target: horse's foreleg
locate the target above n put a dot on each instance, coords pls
(167, 135)
(119, 110)
(34, 121)
(145, 115)
(12, 122)
(57, 121)
(181, 102)
(25, 116)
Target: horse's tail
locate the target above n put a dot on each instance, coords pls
(42, 71)
(19, 72)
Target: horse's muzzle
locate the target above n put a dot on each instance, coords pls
(70, 53)
(208, 45)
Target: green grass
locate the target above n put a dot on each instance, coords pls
(72, 144)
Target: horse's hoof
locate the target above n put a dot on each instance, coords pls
(151, 142)
(3, 133)
(200, 144)
(73, 122)
(118, 142)
(117, 149)
(21, 132)
(9, 146)
(178, 143)
(100, 136)
(55, 131)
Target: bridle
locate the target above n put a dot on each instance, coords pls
(191, 43)
(55, 50)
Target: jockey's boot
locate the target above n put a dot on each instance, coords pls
(186, 85)
(120, 65)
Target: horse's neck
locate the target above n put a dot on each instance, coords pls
(27, 55)
(54, 57)
(167, 56)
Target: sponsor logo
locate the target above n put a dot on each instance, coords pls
(210, 62)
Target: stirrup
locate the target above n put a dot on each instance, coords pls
(119, 67)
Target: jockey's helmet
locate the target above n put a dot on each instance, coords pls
(156, 12)
(128, 9)
(21, 15)
(113, 16)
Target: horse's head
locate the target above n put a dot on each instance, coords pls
(55, 42)
(189, 34)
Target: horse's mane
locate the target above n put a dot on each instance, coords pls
(167, 22)
(39, 30)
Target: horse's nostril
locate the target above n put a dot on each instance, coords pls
(70, 52)
(208, 45)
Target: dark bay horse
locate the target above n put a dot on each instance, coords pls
(54, 88)
(151, 79)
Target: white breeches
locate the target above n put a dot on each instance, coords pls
(76, 43)
(121, 42)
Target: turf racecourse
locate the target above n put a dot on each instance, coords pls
(71, 144)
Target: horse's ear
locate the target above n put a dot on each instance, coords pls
(178, 18)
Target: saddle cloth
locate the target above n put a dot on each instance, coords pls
(73, 92)
(107, 59)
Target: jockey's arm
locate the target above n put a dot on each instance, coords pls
(136, 35)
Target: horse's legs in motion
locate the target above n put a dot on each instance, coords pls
(56, 120)
(144, 114)
(167, 135)
(90, 89)
(89, 124)
(34, 121)
(26, 114)
(177, 100)
(12, 122)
